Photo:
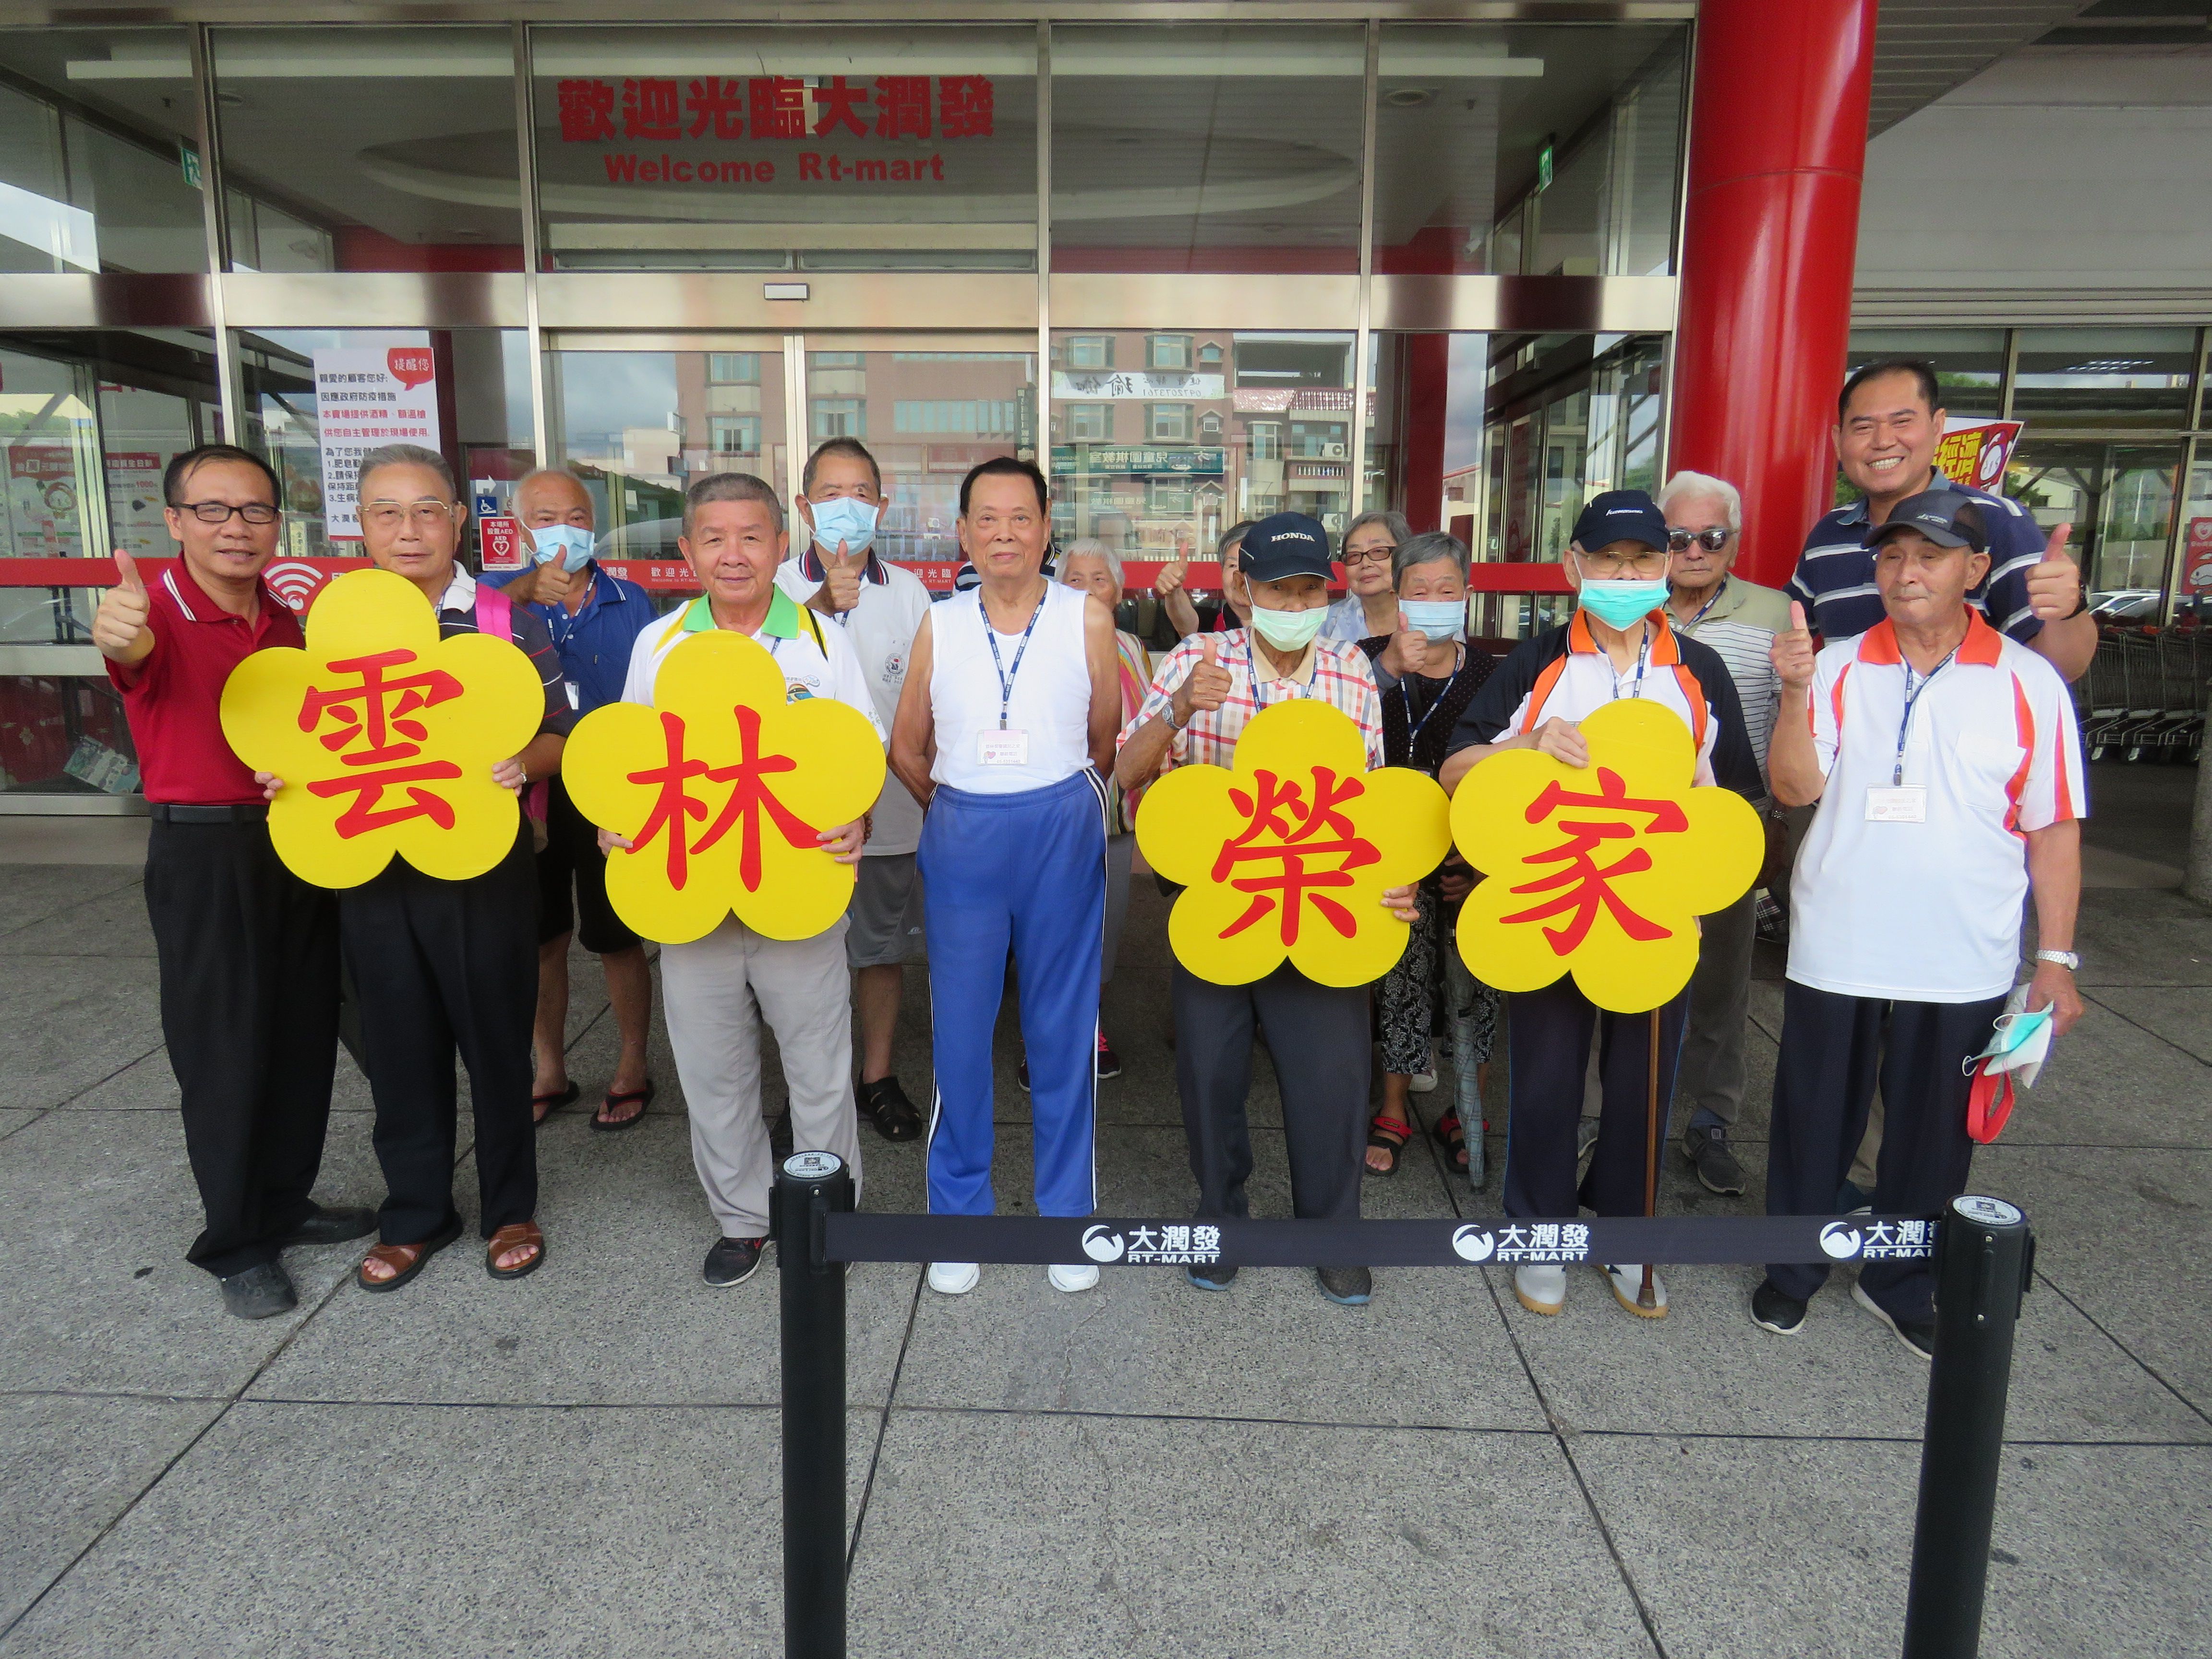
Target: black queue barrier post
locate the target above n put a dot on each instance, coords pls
(809, 1187)
(1985, 1257)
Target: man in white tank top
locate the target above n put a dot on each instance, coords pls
(1004, 730)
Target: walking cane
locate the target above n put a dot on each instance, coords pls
(1645, 1297)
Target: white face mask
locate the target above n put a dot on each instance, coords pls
(846, 519)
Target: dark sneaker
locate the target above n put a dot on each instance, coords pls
(1109, 1063)
(1215, 1276)
(778, 1136)
(328, 1226)
(1709, 1155)
(1349, 1286)
(1772, 1310)
(1853, 1199)
(884, 1104)
(262, 1291)
(734, 1261)
(1914, 1334)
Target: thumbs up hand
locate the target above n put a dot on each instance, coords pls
(1206, 687)
(1792, 653)
(118, 627)
(840, 578)
(2054, 583)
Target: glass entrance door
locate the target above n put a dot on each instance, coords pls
(639, 419)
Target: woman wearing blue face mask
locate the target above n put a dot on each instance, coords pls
(1619, 643)
(1428, 675)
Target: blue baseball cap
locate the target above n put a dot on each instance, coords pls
(1620, 515)
(1285, 544)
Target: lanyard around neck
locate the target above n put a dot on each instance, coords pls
(1912, 695)
(1643, 653)
(1006, 675)
(1459, 666)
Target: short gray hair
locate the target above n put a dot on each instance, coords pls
(731, 487)
(1091, 547)
(407, 455)
(1683, 485)
(1430, 547)
(1394, 522)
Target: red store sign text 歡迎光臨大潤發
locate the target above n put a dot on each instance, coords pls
(669, 110)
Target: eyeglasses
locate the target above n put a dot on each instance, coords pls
(386, 515)
(220, 512)
(1678, 541)
(1365, 556)
(1610, 567)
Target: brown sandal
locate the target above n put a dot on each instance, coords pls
(408, 1259)
(1392, 1134)
(509, 1238)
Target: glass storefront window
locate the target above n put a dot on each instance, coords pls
(98, 166)
(1468, 117)
(1202, 147)
(858, 148)
(369, 148)
(1969, 363)
(2120, 499)
(317, 399)
(2104, 378)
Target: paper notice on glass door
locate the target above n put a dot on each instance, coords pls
(365, 398)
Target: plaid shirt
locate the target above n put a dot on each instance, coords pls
(1341, 678)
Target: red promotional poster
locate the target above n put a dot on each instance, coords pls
(1977, 453)
(504, 545)
(2197, 557)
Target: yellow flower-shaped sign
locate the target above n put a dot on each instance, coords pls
(1599, 871)
(385, 736)
(722, 788)
(1287, 855)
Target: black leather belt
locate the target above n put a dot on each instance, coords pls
(174, 812)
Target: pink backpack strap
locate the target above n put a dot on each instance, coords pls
(496, 617)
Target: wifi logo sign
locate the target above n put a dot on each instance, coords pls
(294, 581)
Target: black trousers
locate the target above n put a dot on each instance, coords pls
(249, 957)
(1834, 1050)
(1548, 1040)
(1318, 1037)
(439, 967)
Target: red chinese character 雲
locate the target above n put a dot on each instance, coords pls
(649, 110)
(1584, 883)
(902, 107)
(778, 106)
(840, 106)
(375, 723)
(587, 112)
(367, 789)
(716, 103)
(964, 105)
(1302, 829)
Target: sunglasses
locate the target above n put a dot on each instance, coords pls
(1678, 541)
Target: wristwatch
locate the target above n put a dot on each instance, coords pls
(1173, 724)
(2065, 959)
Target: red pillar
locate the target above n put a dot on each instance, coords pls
(1778, 144)
(1427, 363)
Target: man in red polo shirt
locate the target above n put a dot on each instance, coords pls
(248, 952)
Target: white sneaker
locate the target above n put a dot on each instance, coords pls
(1541, 1290)
(953, 1278)
(1627, 1279)
(1082, 1276)
(1423, 1082)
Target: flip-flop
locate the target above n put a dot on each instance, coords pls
(424, 1248)
(610, 1127)
(554, 1102)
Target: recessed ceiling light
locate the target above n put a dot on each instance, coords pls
(1406, 97)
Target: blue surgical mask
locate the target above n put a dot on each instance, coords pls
(846, 519)
(564, 542)
(1436, 619)
(1289, 630)
(1624, 603)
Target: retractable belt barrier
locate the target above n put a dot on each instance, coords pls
(1981, 1248)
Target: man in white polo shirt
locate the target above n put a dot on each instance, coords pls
(878, 605)
(734, 536)
(1947, 768)
(1621, 642)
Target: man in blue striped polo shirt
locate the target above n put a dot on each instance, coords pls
(1888, 422)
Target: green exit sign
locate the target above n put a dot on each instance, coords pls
(189, 160)
(1544, 167)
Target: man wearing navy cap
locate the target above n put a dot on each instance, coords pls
(1205, 693)
(1619, 643)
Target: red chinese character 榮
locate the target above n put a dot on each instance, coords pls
(1582, 886)
(964, 105)
(1285, 825)
(587, 110)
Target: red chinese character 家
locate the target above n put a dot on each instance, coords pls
(1581, 885)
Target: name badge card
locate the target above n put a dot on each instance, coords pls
(1002, 748)
(1907, 802)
